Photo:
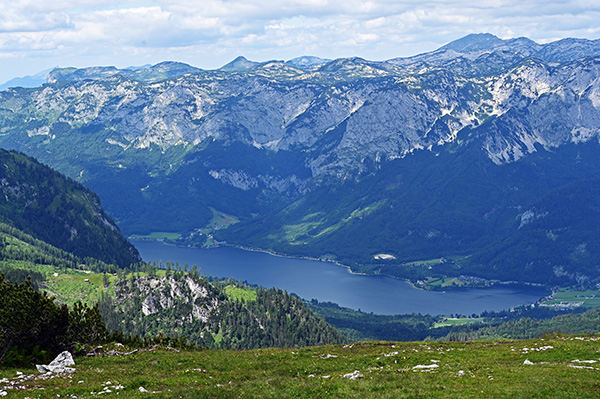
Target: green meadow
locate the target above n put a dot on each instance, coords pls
(549, 367)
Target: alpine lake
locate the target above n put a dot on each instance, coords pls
(328, 282)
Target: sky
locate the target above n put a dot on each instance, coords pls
(37, 35)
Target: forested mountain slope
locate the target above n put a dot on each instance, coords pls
(39, 206)
(52, 208)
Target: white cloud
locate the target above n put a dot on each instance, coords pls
(208, 33)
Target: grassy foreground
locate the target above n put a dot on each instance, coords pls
(563, 367)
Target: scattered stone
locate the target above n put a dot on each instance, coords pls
(112, 353)
(426, 367)
(582, 367)
(528, 362)
(541, 348)
(142, 389)
(3, 393)
(328, 356)
(353, 376)
(97, 350)
(59, 364)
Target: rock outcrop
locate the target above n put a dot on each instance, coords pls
(61, 364)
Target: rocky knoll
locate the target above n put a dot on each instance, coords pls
(210, 314)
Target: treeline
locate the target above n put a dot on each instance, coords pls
(37, 251)
(16, 275)
(275, 319)
(360, 326)
(212, 319)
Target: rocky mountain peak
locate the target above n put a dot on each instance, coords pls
(474, 42)
(240, 64)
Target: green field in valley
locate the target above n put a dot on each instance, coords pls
(457, 321)
(573, 298)
(158, 235)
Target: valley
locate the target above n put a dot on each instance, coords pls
(305, 199)
(482, 152)
(458, 171)
(161, 322)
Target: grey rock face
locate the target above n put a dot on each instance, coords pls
(59, 365)
(341, 114)
(160, 293)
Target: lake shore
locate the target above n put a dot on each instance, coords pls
(219, 244)
(310, 278)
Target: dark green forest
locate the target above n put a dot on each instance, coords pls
(521, 323)
(34, 328)
(55, 209)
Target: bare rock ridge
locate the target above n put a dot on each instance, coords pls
(397, 106)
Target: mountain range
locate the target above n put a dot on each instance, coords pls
(479, 158)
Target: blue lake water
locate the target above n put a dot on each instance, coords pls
(326, 281)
